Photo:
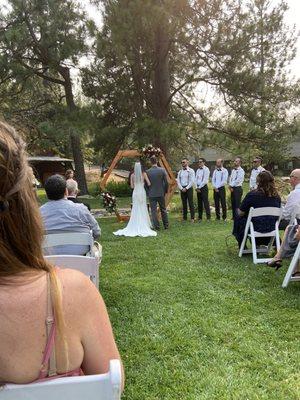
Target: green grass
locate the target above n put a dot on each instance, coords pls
(195, 322)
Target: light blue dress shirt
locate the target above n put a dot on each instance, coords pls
(65, 216)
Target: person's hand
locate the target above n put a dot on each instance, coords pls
(184, 190)
(216, 190)
(297, 235)
(230, 189)
(198, 190)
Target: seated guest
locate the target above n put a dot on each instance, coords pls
(72, 189)
(61, 215)
(265, 195)
(288, 247)
(33, 291)
(292, 206)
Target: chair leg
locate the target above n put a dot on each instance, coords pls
(292, 267)
(253, 244)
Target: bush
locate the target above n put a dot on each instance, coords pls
(119, 189)
(94, 189)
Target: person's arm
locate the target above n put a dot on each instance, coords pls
(224, 178)
(146, 179)
(245, 205)
(95, 329)
(178, 181)
(166, 183)
(91, 222)
(191, 179)
(289, 207)
(206, 177)
(213, 180)
(132, 181)
(240, 177)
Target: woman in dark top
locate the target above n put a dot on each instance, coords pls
(265, 195)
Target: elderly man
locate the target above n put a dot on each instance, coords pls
(292, 206)
(72, 190)
(61, 215)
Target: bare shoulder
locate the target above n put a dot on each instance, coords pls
(77, 286)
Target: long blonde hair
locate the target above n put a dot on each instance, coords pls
(21, 227)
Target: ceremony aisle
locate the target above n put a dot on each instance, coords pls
(195, 322)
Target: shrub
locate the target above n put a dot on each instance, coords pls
(119, 189)
(94, 189)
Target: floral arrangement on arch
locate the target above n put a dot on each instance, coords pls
(109, 202)
(150, 151)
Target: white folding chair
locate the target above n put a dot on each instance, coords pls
(73, 238)
(252, 234)
(91, 387)
(89, 266)
(293, 266)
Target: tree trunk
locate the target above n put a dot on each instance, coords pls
(161, 81)
(74, 139)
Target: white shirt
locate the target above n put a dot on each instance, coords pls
(219, 178)
(237, 177)
(292, 206)
(186, 178)
(253, 176)
(202, 177)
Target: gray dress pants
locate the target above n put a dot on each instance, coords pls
(162, 206)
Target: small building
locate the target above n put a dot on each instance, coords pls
(43, 167)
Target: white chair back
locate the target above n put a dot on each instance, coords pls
(89, 266)
(68, 238)
(265, 211)
(91, 387)
(251, 233)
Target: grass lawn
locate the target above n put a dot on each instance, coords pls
(195, 322)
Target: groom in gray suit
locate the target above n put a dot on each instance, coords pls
(156, 193)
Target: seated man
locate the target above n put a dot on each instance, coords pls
(61, 215)
(292, 206)
(72, 189)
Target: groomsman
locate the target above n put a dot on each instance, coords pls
(185, 182)
(257, 168)
(202, 178)
(219, 180)
(236, 185)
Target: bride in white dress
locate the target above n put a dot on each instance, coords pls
(139, 223)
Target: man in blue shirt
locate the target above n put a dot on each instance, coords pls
(62, 215)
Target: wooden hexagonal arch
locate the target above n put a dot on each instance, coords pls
(162, 161)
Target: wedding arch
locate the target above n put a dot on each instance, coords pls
(162, 161)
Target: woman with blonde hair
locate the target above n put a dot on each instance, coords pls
(53, 322)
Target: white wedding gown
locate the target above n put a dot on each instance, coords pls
(139, 223)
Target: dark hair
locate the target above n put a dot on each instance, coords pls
(258, 158)
(266, 184)
(55, 187)
(240, 158)
(202, 159)
(153, 160)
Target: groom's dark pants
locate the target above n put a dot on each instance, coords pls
(162, 206)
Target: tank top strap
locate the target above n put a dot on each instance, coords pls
(48, 368)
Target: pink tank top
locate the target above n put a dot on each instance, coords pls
(48, 369)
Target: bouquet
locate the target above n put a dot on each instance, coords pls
(109, 202)
(150, 151)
